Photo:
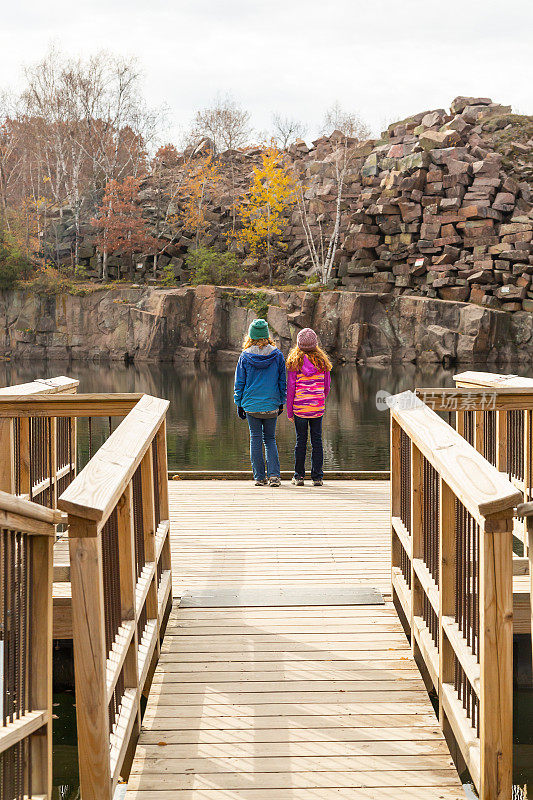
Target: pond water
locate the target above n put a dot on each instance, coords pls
(204, 432)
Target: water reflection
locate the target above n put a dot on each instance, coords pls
(204, 431)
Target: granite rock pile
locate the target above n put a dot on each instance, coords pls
(441, 206)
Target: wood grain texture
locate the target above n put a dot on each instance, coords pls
(286, 703)
(95, 491)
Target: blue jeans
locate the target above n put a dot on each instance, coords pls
(317, 454)
(263, 431)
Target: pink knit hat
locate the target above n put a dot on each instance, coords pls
(307, 340)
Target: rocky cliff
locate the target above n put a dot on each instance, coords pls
(440, 206)
(208, 323)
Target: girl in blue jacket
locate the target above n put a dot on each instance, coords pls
(260, 393)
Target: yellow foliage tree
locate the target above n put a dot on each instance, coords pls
(199, 184)
(264, 211)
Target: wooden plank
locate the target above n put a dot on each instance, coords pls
(42, 386)
(69, 405)
(382, 793)
(90, 660)
(13, 732)
(95, 491)
(476, 378)
(17, 506)
(206, 725)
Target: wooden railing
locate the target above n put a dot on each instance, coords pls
(38, 452)
(496, 419)
(51, 437)
(26, 540)
(452, 520)
(118, 523)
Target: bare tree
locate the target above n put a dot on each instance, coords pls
(10, 154)
(91, 125)
(323, 247)
(287, 130)
(348, 123)
(226, 123)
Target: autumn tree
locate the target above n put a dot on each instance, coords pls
(265, 209)
(83, 123)
(200, 182)
(120, 224)
(287, 130)
(349, 123)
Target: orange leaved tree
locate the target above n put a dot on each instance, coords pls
(122, 230)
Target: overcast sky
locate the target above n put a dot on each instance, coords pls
(384, 58)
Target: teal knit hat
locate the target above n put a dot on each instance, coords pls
(258, 329)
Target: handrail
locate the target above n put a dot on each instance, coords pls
(43, 386)
(481, 488)
(78, 405)
(118, 524)
(492, 379)
(96, 490)
(39, 427)
(26, 540)
(451, 523)
(34, 467)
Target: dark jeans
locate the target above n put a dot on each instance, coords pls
(263, 432)
(317, 453)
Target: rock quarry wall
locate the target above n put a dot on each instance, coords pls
(440, 206)
(206, 323)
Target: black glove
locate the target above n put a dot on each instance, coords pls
(241, 412)
(280, 410)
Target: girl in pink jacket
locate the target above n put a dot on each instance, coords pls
(308, 385)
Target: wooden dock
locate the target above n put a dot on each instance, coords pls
(235, 547)
(297, 700)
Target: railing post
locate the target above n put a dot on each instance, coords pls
(148, 511)
(479, 430)
(417, 499)
(395, 490)
(447, 595)
(40, 678)
(128, 584)
(88, 626)
(7, 462)
(529, 522)
(161, 445)
(501, 441)
(496, 658)
(528, 466)
(24, 456)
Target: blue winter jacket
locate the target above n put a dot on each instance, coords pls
(260, 381)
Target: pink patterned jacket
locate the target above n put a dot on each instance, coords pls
(307, 391)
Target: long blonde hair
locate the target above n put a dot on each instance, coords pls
(248, 342)
(317, 357)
